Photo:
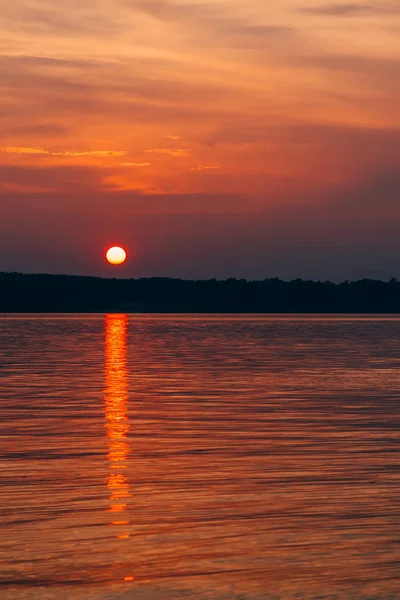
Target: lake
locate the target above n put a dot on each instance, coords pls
(168, 457)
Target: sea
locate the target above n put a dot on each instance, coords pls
(199, 457)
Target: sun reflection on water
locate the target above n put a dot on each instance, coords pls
(117, 424)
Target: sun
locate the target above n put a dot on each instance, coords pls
(116, 255)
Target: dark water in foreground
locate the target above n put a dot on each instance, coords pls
(159, 458)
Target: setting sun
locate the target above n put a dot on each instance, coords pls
(116, 255)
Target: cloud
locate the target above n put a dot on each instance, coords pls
(172, 137)
(223, 23)
(351, 9)
(133, 164)
(372, 66)
(204, 168)
(252, 36)
(50, 18)
(95, 153)
(44, 152)
(177, 152)
(55, 178)
(22, 150)
(156, 91)
(367, 139)
(35, 62)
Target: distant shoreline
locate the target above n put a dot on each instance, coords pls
(72, 294)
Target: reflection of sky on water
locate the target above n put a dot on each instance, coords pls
(265, 470)
(117, 425)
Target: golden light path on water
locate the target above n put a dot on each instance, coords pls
(117, 425)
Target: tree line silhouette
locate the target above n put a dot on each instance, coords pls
(67, 293)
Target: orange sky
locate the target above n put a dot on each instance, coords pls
(211, 138)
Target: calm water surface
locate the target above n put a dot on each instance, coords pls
(210, 458)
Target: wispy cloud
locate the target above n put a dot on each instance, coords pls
(223, 22)
(133, 164)
(348, 9)
(23, 150)
(44, 152)
(205, 168)
(56, 177)
(95, 153)
(177, 152)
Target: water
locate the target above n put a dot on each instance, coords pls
(174, 458)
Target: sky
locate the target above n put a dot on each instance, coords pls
(210, 138)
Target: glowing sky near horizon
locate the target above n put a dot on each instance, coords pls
(210, 138)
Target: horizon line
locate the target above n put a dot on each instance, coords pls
(240, 279)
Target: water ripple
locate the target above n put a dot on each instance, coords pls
(173, 457)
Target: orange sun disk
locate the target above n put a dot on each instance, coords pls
(116, 255)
